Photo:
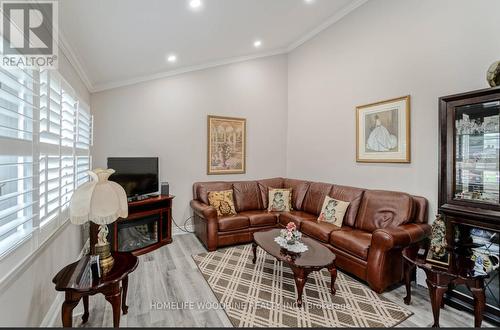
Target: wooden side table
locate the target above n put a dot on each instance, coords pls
(440, 280)
(76, 287)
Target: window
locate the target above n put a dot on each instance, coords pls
(45, 140)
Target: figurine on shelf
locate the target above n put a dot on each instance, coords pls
(438, 253)
(493, 74)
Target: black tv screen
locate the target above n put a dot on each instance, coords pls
(138, 176)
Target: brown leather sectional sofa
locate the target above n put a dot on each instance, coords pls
(377, 225)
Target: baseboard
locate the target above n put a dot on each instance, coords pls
(50, 319)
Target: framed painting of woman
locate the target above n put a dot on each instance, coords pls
(383, 132)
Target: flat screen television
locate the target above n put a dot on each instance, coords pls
(137, 175)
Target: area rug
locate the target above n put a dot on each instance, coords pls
(264, 294)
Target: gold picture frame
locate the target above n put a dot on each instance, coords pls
(383, 132)
(226, 147)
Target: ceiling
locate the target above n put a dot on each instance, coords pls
(115, 43)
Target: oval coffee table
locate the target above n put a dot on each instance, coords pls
(315, 258)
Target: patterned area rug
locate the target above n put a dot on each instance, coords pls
(264, 294)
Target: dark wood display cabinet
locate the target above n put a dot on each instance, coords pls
(147, 227)
(469, 188)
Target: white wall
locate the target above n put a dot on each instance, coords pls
(168, 118)
(385, 49)
(27, 294)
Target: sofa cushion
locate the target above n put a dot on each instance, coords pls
(296, 217)
(261, 218)
(333, 211)
(234, 222)
(351, 195)
(299, 190)
(280, 200)
(247, 196)
(318, 230)
(355, 242)
(223, 202)
(265, 185)
(315, 196)
(201, 189)
(383, 209)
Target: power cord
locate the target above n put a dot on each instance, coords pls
(185, 225)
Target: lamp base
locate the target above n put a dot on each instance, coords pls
(106, 260)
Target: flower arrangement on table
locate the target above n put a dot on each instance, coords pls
(291, 234)
(289, 238)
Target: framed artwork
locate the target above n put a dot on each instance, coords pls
(226, 145)
(383, 132)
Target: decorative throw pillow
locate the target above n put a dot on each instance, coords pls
(223, 202)
(280, 200)
(333, 211)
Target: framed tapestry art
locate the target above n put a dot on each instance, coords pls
(383, 132)
(226, 145)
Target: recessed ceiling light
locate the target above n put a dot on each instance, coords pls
(257, 43)
(309, 1)
(172, 58)
(195, 4)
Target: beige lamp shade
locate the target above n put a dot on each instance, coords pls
(100, 200)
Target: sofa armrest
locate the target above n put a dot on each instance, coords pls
(401, 236)
(203, 210)
(385, 263)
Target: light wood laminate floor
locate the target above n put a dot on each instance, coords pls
(169, 276)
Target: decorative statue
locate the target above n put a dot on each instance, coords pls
(102, 235)
(438, 240)
(493, 74)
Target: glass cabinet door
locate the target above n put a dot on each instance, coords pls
(477, 142)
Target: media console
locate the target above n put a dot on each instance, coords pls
(147, 227)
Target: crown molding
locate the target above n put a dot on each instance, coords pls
(329, 22)
(75, 61)
(127, 82)
(95, 88)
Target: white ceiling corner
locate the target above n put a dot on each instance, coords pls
(72, 54)
(329, 22)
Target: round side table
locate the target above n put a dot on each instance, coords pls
(76, 287)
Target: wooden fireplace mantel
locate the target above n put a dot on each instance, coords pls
(160, 207)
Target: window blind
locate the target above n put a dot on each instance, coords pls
(50, 108)
(45, 140)
(84, 127)
(18, 105)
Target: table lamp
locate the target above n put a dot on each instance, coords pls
(102, 202)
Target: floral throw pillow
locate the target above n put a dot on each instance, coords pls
(223, 202)
(280, 200)
(333, 211)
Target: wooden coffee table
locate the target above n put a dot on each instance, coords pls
(315, 258)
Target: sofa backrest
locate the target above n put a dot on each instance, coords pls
(265, 185)
(247, 196)
(384, 209)
(420, 214)
(368, 209)
(299, 191)
(201, 189)
(351, 195)
(315, 197)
